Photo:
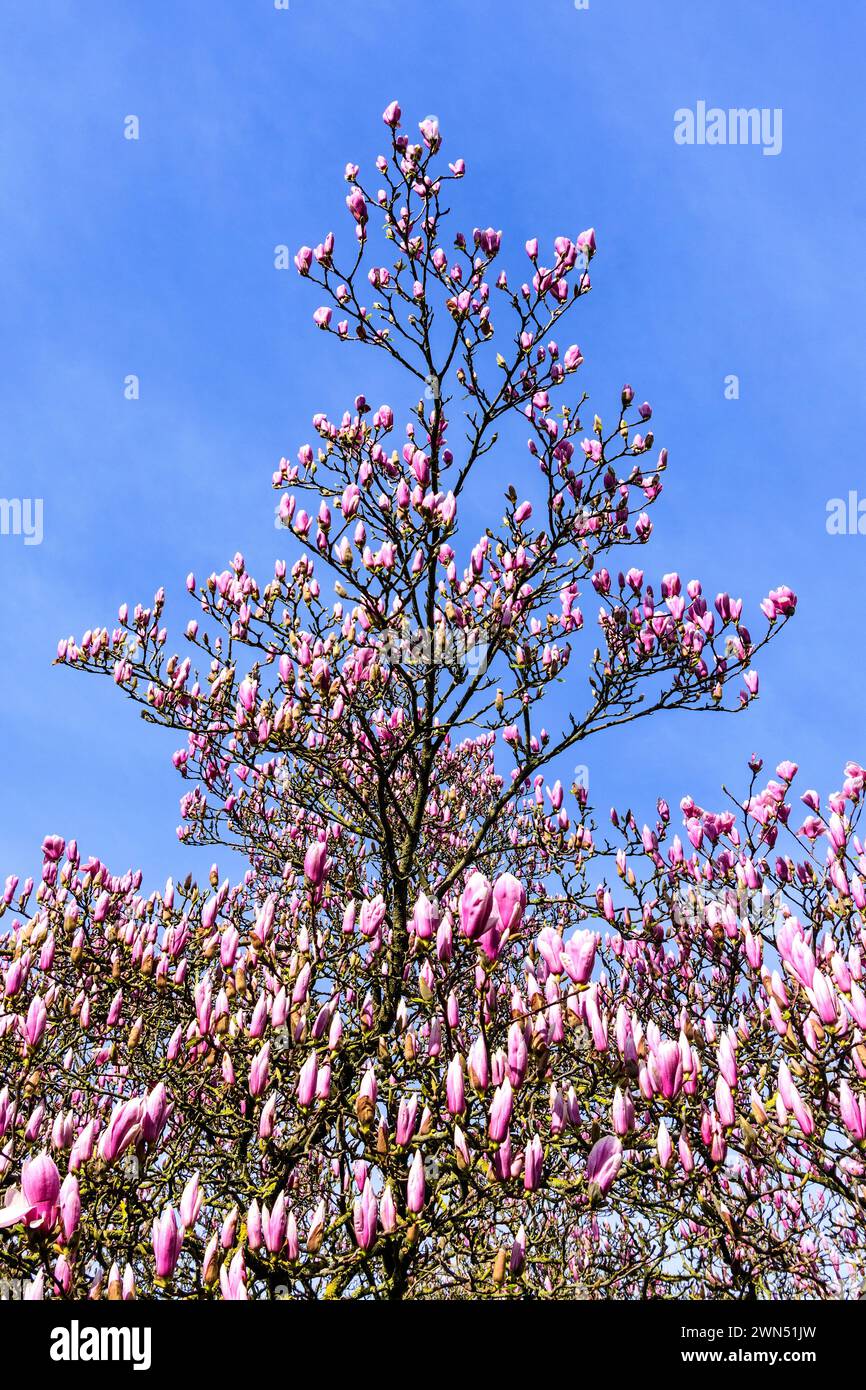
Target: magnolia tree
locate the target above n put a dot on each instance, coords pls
(447, 1036)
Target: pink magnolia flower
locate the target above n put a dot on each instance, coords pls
(37, 1204)
(509, 895)
(668, 1067)
(307, 1079)
(500, 1111)
(454, 1087)
(476, 904)
(549, 943)
(416, 1187)
(623, 1112)
(425, 918)
(853, 1111)
(167, 1238)
(314, 862)
(37, 1018)
(578, 956)
(533, 1160)
(603, 1164)
(124, 1129)
(365, 1215)
(70, 1206)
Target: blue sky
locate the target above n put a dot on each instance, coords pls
(155, 257)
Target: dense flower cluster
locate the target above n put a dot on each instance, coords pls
(445, 1036)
